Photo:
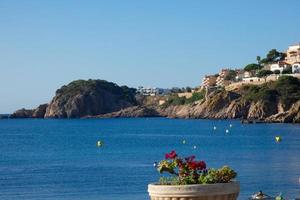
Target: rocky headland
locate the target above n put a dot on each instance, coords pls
(277, 101)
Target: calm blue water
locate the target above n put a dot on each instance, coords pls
(58, 159)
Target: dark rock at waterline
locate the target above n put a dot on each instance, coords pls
(4, 116)
(131, 112)
(38, 112)
(22, 113)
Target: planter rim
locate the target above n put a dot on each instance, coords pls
(207, 184)
(193, 190)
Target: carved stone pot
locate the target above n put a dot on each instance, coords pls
(218, 191)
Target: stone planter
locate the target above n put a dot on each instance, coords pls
(219, 191)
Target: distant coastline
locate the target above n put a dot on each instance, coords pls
(275, 101)
(265, 91)
(4, 116)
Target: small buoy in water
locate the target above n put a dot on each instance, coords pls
(278, 139)
(215, 128)
(230, 125)
(155, 164)
(183, 141)
(195, 147)
(99, 143)
(227, 131)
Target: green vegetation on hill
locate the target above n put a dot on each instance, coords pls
(289, 89)
(286, 89)
(96, 86)
(252, 66)
(264, 73)
(287, 70)
(174, 99)
(256, 93)
(272, 56)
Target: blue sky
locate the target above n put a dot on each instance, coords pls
(163, 43)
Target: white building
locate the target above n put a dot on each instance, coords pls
(239, 74)
(253, 80)
(151, 91)
(278, 66)
(249, 74)
(296, 67)
(293, 54)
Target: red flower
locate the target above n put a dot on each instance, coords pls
(193, 165)
(201, 165)
(190, 159)
(171, 155)
(179, 163)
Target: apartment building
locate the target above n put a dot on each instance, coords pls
(209, 81)
(293, 54)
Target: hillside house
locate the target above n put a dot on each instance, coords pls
(293, 54)
(239, 75)
(278, 66)
(151, 91)
(249, 74)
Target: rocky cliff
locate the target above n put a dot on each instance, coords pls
(89, 98)
(38, 112)
(83, 98)
(131, 112)
(271, 102)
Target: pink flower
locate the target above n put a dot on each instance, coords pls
(171, 155)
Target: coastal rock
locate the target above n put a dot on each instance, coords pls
(218, 105)
(272, 102)
(290, 116)
(4, 116)
(40, 111)
(179, 111)
(89, 98)
(22, 113)
(261, 110)
(131, 112)
(231, 105)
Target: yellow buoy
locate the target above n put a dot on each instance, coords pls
(99, 143)
(278, 139)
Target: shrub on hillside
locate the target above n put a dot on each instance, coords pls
(286, 89)
(176, 100)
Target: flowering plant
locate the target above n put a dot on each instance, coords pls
(187, 170)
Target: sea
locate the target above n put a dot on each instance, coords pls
(58, 159)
